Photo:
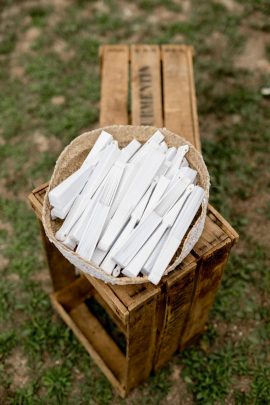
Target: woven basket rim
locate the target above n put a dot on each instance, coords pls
(87, 266)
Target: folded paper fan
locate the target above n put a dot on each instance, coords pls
(145, 204)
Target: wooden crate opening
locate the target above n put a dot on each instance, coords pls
(85, 312)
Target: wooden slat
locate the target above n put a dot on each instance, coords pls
(110, 297)
(100, 340)
(146, 98)
(94, 338)
(141, 341)
(75, 293)
(61, 270)
(208, 278)
(133, 295)
(179, 290)
(215, 216)
(114, 85)
(211, 238)
(115, 318)
(180, 111)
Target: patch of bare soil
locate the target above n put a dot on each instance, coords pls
(61, 48)
(46, 143)
(3, 262)
(235, 332)
(58, 100)
(254, 208)
(26, 40)
(130, 10)
(178, 394)
(231, 6)
(17, 367)
(218, 43)
(5, 226)
(161, 13)
(254, 55)
(240, 383)
(24, 44)
(17, 71)
(42, 277)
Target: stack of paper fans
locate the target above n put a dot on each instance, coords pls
(128, 210)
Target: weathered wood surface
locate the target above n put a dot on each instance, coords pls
(146, 97)
(207, 281)
(74, 293)
(107, 293)
(178, 294)
(180, 112)
(62, 272)
(141, 341)
(114, 84)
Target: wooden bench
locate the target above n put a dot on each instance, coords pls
(154, 321)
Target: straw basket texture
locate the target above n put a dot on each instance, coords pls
(71, 159)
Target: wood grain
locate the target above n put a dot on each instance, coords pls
(146, 101)
(114, 85)
(208, 277)
(62, 272)
(74, 293)
(107, 293)
(180, 112)
(141, 341)
(179, 290)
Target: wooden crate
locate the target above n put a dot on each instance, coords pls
(154, 321)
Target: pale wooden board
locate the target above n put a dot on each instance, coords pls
(146, 98)
(114, 85)
(179, 100)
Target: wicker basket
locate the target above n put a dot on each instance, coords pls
(71, 159)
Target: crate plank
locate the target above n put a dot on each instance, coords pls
(114, 85)
(107, 293)
(180, 112)
(61, 270)
(146, 99)
(222, 223)
(75, 293)
(100, 340)
(79, 318)
(141, 341)
(120, 325)
(133, 295)
(211, 237)
(179, 290)
(208, 278)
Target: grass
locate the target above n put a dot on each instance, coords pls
(231, 362)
